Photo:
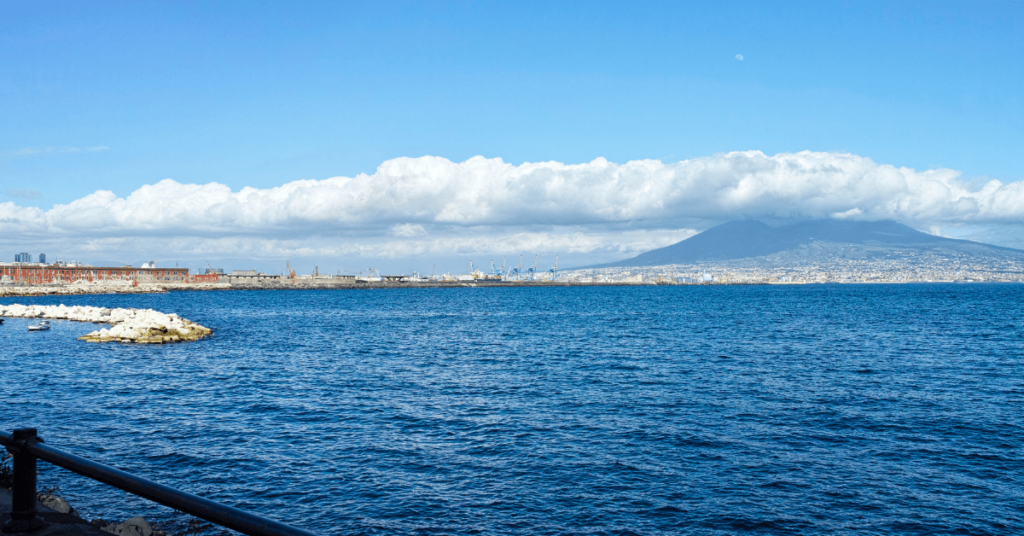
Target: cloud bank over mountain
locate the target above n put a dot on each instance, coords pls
(427, 205)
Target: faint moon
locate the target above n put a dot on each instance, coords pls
(739, 57)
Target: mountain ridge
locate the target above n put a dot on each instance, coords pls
(748, 239)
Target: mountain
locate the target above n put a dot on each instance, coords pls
(749, 239)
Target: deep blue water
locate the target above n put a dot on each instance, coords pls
(626, 410)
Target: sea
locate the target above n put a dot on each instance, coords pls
(646, 410)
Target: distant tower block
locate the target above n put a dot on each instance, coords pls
(42, 258)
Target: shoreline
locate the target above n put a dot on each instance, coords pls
(57, 290)
(95, 290)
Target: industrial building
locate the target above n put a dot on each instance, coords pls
(36, 274)
(248, 277)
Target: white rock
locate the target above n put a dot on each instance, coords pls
(127, 324)
(58, 504)
(134, 525)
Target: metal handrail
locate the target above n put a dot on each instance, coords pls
(26, 446)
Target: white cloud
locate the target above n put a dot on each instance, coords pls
(40, 151)
(408, 229)
(434, 204)
(853, 213)
(480, 191)
(739, 57)
(620, 244)
(22, 193)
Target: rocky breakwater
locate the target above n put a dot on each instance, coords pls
(140, 326)
(105, 287)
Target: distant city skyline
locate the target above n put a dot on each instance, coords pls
(412, 134)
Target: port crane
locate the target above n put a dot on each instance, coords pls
(532, 271)
(291, 272)
(514, 272)
(554, 271)
(499, 271)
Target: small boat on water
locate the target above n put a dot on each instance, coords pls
(43, 325)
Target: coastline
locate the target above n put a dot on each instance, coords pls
(302, 284)
(102, 287)
(298, 284)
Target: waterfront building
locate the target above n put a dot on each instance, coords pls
(74, 271)
(247, 277)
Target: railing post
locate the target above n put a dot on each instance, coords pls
(23, 503)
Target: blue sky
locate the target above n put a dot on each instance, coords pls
(115, 96)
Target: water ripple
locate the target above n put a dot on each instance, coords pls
(664, 410)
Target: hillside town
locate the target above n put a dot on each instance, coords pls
(919, 269)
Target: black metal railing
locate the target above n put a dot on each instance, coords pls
(26, 447)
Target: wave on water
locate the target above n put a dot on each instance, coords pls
(613, 410)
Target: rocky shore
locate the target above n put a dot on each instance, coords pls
(63, 520)
(133, 526)
(104, 287)
(139, 326)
